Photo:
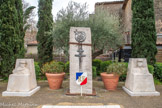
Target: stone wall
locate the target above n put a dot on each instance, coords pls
(127, 20)
(111, 7)
(32, 49)
(159, 54)
(30, 36)
(127, 15)
(158, 15)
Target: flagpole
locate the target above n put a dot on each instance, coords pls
(81, 90)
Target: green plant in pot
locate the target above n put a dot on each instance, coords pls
(54, 73)
(111, 76)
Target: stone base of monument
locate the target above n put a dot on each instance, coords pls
(21, 94)
(77, 94)
(104, 106)
(155, 93)
(139, 81)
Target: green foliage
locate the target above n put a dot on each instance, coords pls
(26, 16)
(117, 68)
(52, 67)
(44, 36)
(124, 74)
(143, 30)
(158, 71)
(94, 72)
(97, 63)
(21, 32)
(151, 69)
(104, 27)
(61, 63)
(11, 35)
(67, 67)
(104, 65)
(157, 82)
(37, 70)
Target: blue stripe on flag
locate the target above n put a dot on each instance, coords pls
(78, 74)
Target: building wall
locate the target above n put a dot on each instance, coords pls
(159, 54)
(111, 7)
(32, 49)
(127, 16)
(30, 36)
(123, 10)
(158, 15)
(127, 20)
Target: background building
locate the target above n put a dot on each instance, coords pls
(122, 8)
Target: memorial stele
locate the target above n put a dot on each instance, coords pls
(22, 81)
(139, 81)
(82, 61)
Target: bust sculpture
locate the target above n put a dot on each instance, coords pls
(139, 81)
(22, 68)
(22, 81)
(140, 67)
(23, 77)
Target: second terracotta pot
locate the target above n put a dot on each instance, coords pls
(55, 80)
(110, 81)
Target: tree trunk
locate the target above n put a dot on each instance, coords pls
(97, 53)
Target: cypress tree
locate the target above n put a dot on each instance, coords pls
(44, 35)
(9, 36)
(21, 32)
(143, 30)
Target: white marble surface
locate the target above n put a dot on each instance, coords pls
(86, 62)
(104, 106)
(139, 80)
(21, 94)
(154, 93)
(23, 78)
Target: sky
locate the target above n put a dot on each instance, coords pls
(59, 4)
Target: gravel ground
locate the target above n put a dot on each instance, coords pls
(45, 96)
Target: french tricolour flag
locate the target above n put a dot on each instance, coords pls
(81, 78)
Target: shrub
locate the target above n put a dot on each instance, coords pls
(94, 72)
(104, 65)
(117, 68)
(62, 64)
(52, 67)
(67, 67)
(151, 69)
(158, 71)
(97, 63)
(37, 70)
(124, 74)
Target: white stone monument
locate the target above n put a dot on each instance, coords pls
(80, 59)
(22, 81)
(139, 81)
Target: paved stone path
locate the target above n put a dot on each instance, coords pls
(46, 96)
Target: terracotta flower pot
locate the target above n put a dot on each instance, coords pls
(55, 80)
(110, 81)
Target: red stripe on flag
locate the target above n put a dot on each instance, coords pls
(84, 82)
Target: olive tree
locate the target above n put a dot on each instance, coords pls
(105, 28)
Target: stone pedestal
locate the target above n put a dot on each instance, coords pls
(23, 80)
(86, 61)
(139, 81)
